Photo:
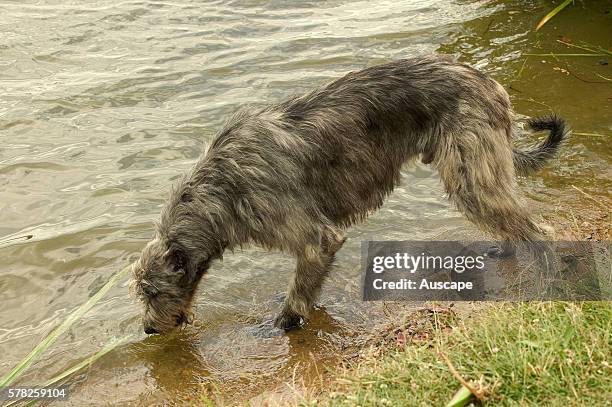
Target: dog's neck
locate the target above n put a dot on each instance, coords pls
(203, 211)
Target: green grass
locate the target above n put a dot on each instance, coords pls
(84, 363)
(527, 354)
(553, 13)
(48, 340)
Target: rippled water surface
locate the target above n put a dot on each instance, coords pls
(104, 104)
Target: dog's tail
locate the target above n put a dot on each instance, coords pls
(528, 161)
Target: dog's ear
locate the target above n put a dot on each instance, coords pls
(149, 289)
(177, 259)
(186, 195)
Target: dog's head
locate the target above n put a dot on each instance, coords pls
(165, 278)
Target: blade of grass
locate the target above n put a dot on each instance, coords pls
(591, 197)
(551, 54)
(53, 335)
(576, 133)
(522, 68)
(603, 77)
(553, 13)
(461, 398)
(109, 346)
(598, 50)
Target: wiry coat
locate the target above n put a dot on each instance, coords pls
(292, 175)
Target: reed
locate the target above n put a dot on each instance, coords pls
(47, 341)
(553, 13)
(87, 362)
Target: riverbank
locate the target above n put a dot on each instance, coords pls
(510, 354)
(540, 353)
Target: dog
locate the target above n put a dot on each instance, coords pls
(293, 176)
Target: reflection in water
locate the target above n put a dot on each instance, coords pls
(104, 105)
(172, 359)
(243, 356)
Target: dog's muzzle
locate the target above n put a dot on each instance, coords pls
(181, 321)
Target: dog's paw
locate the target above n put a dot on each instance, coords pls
(288, 321)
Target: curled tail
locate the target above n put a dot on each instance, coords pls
(528, 161)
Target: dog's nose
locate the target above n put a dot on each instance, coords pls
(149, 330)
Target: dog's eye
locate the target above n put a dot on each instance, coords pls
(150, 291)
(177, 260)
(179, 264)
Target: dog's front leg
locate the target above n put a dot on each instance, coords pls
(312, 268)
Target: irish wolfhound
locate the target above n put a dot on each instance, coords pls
(291, 176)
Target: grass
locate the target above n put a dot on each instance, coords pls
(553, 13)
(593, 51)
(48, 340)
(525, 354)
(84, 363)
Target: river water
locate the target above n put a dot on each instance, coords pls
(104, 104)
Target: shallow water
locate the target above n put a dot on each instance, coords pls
(103, 105)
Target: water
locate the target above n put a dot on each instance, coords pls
(104, 104)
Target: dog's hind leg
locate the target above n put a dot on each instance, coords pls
(313, 266)
(478, 173)
(506, 249)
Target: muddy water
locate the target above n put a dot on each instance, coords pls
(104, 104)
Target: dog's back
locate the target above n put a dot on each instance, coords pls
(364, 126)
(337, 151)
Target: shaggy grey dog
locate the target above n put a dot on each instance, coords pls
(291, 176)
